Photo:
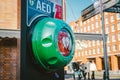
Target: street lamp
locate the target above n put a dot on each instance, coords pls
(106, 73)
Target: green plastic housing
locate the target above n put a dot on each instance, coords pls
(45, 45)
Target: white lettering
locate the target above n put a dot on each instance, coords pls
(43, 7)
(48, 8)
(38, 5)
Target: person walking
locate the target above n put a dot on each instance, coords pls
(76, 70)
(92, 70)
(83, 70)
(87, 70)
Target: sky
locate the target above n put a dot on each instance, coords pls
(74, 8)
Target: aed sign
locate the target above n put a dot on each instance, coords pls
(37, 8)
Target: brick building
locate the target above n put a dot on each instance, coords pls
(93, 50)
(9, 39)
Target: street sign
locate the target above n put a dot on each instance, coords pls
(94, 9)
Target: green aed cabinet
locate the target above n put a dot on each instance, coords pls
(47, 42)
(52, 43)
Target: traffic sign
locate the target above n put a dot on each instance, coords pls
(94, 9)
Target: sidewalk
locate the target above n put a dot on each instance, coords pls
(112, 74)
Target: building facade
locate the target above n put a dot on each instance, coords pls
(10, 40)
(93, 49)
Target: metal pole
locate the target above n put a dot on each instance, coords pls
(106, 73)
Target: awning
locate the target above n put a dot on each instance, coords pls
(88, 36)
(9, 33)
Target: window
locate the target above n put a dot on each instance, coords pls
(90, 52)
(119, 46)
(114, 47)
(92, 26)
(96, 16)
(94, 52)
(88, 20)
(92, 19)
(118, 15)
(106, 13)
(100, 23)
(79, 54)
(106, 20)
(88, 28)
(98, 50)
(108, 39)
(112, 18)
(118, 26)
(101, 31)
(102, 49)
(93, 43)
(113, 28)
(98, 42)
(82, 53)
(85, 29)
(81, 23)
(108, 48)
(84, 22)
(86, 53)
(107, 30)
(113, 37)
(97, 25)
(89, 44)
(119, 36)
(97, 31)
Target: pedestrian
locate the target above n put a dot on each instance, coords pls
(92, 70)
(87, 70)
(83, 70)
(76, 70)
